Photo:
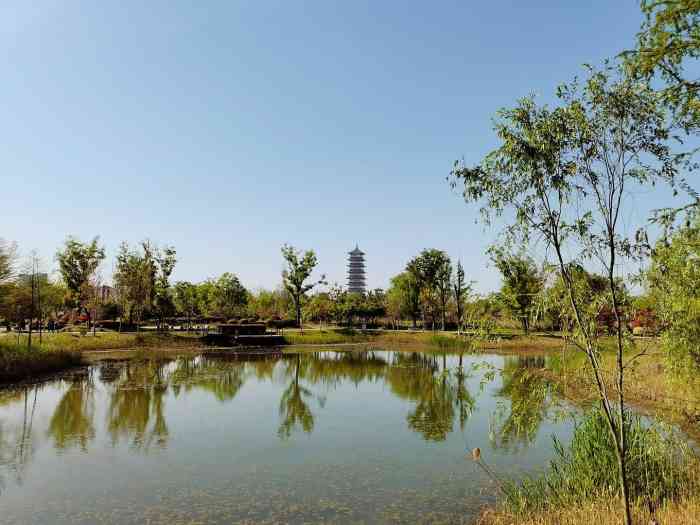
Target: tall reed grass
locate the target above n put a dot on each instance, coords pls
(660, 468)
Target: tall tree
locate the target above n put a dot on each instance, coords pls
(444, 283)
(186, 300)
(429, 269)
(564, 174)
(522, 284)
(78, 261)
(403, 297)
(8, 259)
(295, 276)
(229, 297)
(163, 298)
(134, 278)
(460, 290)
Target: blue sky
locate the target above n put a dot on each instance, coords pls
(229, 128)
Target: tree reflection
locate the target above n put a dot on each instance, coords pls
(72, 422)
(529, 399)
(436, 391)
(222, 377)
(138, 399)
(294, 410)
(17, 444)
(463, 399)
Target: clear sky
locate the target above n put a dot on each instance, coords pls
(229, 128)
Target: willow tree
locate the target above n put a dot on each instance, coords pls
(564, 175)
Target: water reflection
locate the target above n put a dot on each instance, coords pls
(137, 394)
(294, 408)
(72, 423)
(16, 441)
(312, 437)
(529, 397)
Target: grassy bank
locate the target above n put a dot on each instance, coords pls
(17, 362)
(425, 341)
(110, 341)
(60, 351)
(328, 337)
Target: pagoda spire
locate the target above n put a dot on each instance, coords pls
(356, 271)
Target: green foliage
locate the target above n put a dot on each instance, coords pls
(658, 468)
(227, 296)
(78, 262)
(521, 285)
(431, 270)
(669, 42)
(163, 303)
(271, 304)
(674, 284)
(591, 292)
(142, 279)
(8, 259)
(134, 280)
(186, 299)
(403, 297)
(294, 277)
(16, 302)
(528, 395)
(461, 290)
(563, 175)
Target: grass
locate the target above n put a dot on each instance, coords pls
(327, 337)
(663, 473)
(425, 341)
(112, 341)
(449, 342)
(63, 350)
(17, 362)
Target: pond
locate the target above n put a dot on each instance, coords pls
(365, 436)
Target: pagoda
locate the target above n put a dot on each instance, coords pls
(356, 271)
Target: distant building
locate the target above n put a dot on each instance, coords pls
(356, 271)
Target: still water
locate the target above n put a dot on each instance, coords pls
(361, 437)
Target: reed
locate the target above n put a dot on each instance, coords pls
(661, 469)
